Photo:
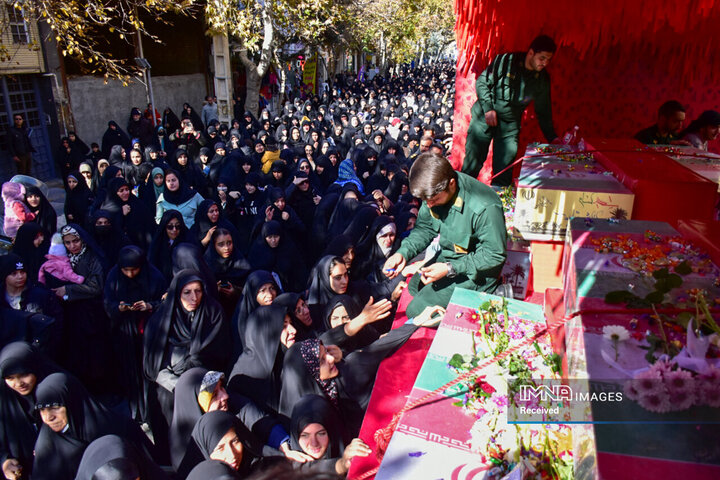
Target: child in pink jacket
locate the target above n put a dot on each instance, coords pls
(58, 264)
(16, 212)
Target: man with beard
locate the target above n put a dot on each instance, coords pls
(504, 90)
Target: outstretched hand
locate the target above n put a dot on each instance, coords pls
(430, 317)
(394, 265)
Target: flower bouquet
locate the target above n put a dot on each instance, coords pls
(542, 450)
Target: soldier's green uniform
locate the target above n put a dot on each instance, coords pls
(472, 239)
(507, 87)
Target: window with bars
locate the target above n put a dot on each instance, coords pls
(18, 27)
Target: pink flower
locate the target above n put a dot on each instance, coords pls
(679, 380)
(500, 400)
(655, 402)
(681, 399)
(631, 391)
(709, 396)
(648, 382)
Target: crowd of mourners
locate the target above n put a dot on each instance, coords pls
(214, 305)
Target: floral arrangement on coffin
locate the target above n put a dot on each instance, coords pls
(539, 451)
(568, 153)
(683, 370)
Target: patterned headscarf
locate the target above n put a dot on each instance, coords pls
(74, 258)
(310, 350)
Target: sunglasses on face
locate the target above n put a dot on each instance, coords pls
(173, 226)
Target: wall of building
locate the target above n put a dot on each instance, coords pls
(24, 57)
(95, 103)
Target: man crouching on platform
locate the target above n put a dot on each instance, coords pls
(469, 218)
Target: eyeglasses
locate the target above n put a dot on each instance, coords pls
(172, 226)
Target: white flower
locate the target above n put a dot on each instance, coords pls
(616, 333)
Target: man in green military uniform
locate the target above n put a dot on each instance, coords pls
(504, 90)
(469, 218)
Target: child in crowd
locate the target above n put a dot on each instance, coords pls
(58, 264)
(16, 211)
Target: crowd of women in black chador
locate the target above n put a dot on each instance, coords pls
(214, 304)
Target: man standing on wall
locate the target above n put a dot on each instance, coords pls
(20, 147)
(504, 90)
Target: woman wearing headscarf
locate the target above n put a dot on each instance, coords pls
(31, 244)
(221, 436)
(190, 256)
(256, 374)
(312, 368)
(189, 112)
(349, 326)
(346, 174)
(274, 251)
(188, 330)
(342, 246)
(208, 219)
(170, 121)
(133, 291)
(67, 157)
(305, 326)
(32, 307)
(170, 233)
(117, 156)
(178, 196)
(277, 209)
(131, 167)
(377, 245)
(107, 235)
(78, 198)
(366, 160)
(405, 222)
(112, 458)
(213, 469)
(398, 186)
(86, 343)
(129, 214)
(229, 267)
(328, 278)
(260, 290)
(114, 135)
(277, 176)
(97, 174)
(151, 190)
(316, 430)
(303, 198)
(22, 367)
(364, 216)
(347, 203)
(72, 420)
(190, 173)
(108, 174)
(39, 205)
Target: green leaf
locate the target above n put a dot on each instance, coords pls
(458, 404)
(683, 268)
(662, 286)
(662, 273)
(456, 361)
(618, 296)
(674, 280)
(655, 297)
(684, 318)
